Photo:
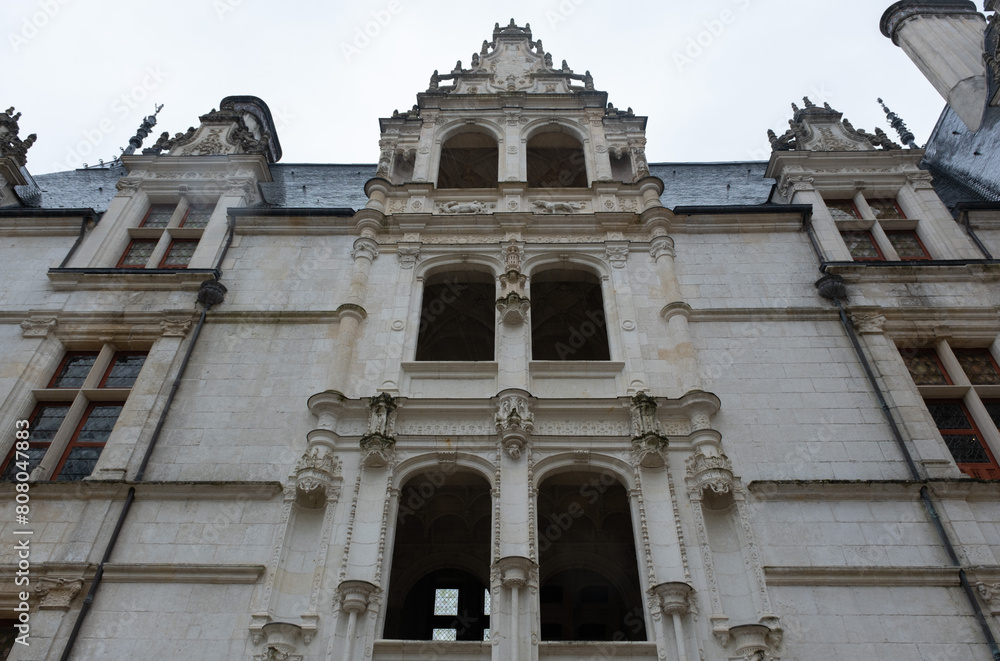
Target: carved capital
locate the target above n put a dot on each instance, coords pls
(751, 642)
(662, 246)
(869, 324)
(38, 326)
(515, 571)
(991, 595)
(57, 593)
(281, 641)
(356, 595)
(513, 309)
(127, 187)
(408, 254)
(712, 472)
(617, 255)
(366, 248)
(245, 189)
(920, 180)
(175, 326)
(673, 597)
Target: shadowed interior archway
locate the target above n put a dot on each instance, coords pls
(469, 160)
(556, 160)
(567, 316)
(457, 317)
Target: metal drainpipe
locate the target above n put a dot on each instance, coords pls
(212, 293)
(832, 288)
(79, 239)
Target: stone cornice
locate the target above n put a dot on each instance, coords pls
(101, 489)
(887, 490)
(863, 576)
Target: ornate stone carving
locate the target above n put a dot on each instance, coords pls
(408, 255)
(824, 129)
(455, 207)
(38, 326)
(751, 642)
(127, 187)
(366, 248)
(869, 324)
(991, 595)
(617, 255)
(378, 445)
(281, 641)
(514, 422)
(660, 246)
(11, 146)
(356, 595)
(673, 597)
(795, 184)
(713, 472)
(175, 326)
(545, 206)
(317, 477)
(57, 593)
(920, 180)
(516, 571)
(513, 308)
(649, 444)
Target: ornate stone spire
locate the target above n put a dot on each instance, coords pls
(897, 123)
(143, 132)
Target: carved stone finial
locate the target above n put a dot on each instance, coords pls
(809, 104)
(11, 145)
(514, 422)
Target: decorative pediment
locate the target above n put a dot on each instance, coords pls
(241, 125)
(813, 128)
(512, 62)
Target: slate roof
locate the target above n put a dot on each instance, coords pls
(312, 186)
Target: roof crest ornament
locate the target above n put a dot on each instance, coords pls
(896, 122)
(813, 128)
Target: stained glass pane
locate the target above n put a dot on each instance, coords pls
(924, 369)
(138, 253)
(159, 215)
(34, 458)
(979, 367)
(486, 635)
(74, 371)
(906, 244)
(79, 464)
(124, 370)
(43, 428)
(842, 209)
(949, 416)
(179, 254)
(487, 602)
(861, 245)
(198, 215)
(445, 634)
(446, 602)
(885, 209)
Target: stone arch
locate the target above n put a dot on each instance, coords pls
(457, 316)
(468, 156)
(569, 316)
(557, 155)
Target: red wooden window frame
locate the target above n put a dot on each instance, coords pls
(895, 203)
(200, 207)
(62, 365)
(926, 256)
(982, 471)
(128, 249)
(114, 360)
(74, 442)
(871, 237)
(937, 359)
(32, 443)
(842, 200)
(984, 352)
(166, 255)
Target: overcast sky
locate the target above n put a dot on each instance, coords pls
(712, 76)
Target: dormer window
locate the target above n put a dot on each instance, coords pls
(167, 236)
(469, 160)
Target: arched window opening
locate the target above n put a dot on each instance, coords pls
(567, 317)
(469, 160)
(441, 560)
(587, 558)
(457, 317)
(555, 160)
(621, 168)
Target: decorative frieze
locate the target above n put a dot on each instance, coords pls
(546, 206)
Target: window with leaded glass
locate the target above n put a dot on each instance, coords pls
(962, 437)
(907, 245)
(926, 368)
(158, 216)
(979, 366)
(124, 370)
(197, 215)
(179, 254)
(862, 245)
(138, 253)
(85, 447)
(45, 422)
(886, 209)
(74, 369)
(843, 209)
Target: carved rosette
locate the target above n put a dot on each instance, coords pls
(649, 444)
(317, 478)
(713, 472)
(378, 446)
(57, 593)
(514, 423)
(280, 640)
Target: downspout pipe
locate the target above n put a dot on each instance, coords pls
(963, 210)
(832, 288)
(212, 293)
(89, 221)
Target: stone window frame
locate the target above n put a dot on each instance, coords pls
(867, 221)
(167, 236)
(972, 397)
(80, 401)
